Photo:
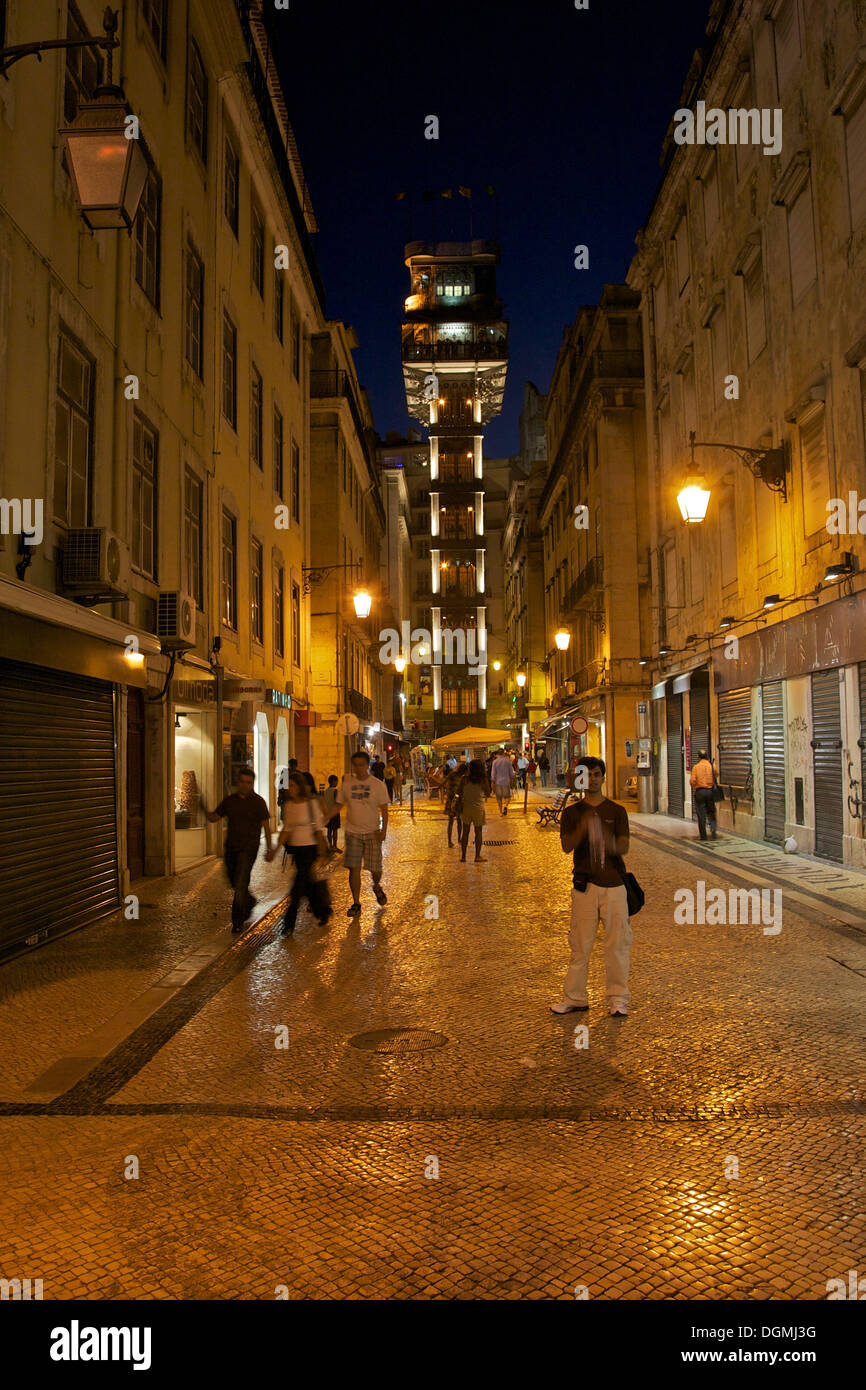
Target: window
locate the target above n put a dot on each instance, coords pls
(196, 101)
(229, 548)
(855, 155)
(82, 66)
(814, 470)
(278, 304)
(296, 344)
(786, 39)
(232, 185)
(681, 253)
(230, 371)
(194, 311)
(453, 282)
(279, 606)
(257, 249)
(193, 530)
(710, 186)
(278, 453)
(146, 236)
(144, 455)
(296, 482)
(257, 594)
(801, 243)
(728, 535)
(718, 331)
(753, 290)
(153, 12)
(73, 433)
(256, 422)
(296, 625)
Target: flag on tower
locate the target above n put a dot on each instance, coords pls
(464, 192)
(398, 197)
(447, 193)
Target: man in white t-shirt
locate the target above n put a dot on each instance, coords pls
(366, 801)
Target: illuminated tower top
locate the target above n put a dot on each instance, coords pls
(453, 324)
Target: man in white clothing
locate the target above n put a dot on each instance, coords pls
(366, 801)
(502, 778)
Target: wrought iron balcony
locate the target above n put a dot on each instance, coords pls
(485, 351)
(582, 593)
(359, 704)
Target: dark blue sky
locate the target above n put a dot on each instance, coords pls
(563, 111)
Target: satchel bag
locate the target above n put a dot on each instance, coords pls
(635, 895)
(718, 791)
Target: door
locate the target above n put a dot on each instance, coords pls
(735, 742)
(676, 775)
(773, 707)
(58, 827)
(135, 783)
(827, 763)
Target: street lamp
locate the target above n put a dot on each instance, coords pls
(562, 639)
(104, 157)
(769, 466)
(497, 665)
(363, 602)
(521, 678)
(400, 664)
(693, 500)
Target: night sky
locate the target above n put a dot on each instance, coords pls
(562, 111)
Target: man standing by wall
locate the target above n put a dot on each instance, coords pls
(596, 831)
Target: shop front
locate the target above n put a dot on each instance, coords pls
(193, 731)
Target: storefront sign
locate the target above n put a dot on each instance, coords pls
(279, 697)
(244, 690)
(831, 636)
(579, 725)
(194, 692)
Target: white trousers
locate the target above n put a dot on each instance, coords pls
(609, 906)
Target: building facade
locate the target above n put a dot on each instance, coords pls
(593, 516)
(751, 266)
(155, 398)
(455, 356)
(524, 648)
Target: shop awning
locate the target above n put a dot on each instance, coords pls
(562, 718)
(469, 737)
(659, 691)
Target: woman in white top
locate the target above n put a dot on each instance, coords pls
(302, 823)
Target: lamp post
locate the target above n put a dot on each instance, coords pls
(103, 155)
(769, 466)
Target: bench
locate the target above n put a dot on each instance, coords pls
(549, 815)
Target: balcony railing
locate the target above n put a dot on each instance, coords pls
(324, 384)
(455, 352)
(589, 580)
(359, 704)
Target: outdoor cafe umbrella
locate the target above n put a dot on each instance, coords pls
(471, 738)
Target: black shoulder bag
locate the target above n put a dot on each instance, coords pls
(635, 895)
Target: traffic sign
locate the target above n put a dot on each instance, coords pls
(579, 725)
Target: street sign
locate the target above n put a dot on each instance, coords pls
(579, 725)
(348, 723)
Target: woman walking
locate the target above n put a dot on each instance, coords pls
(474, 791)
(451, 791)
(302, 833)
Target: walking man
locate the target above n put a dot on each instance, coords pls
(703, 780)
(366, 800)
(502, 777)
(247, 814)
(596, 831)
(544, 768)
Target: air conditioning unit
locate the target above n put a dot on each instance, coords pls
(94, 563)
(175, 620)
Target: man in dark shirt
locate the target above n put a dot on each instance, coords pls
(247, 814)
(596, 831)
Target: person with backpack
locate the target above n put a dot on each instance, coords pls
(302, 833)
(704, 782)
(595, 831)
(471, 796)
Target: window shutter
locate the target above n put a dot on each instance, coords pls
(786, 34)
(815, 467)
(855, 145)
(801, 243)
(756, 328)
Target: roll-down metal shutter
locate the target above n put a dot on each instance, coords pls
(827, 763)
(735, 738)
(676, 777)
(58, 828)
(773, 707)
(699, 715)
(862, 739)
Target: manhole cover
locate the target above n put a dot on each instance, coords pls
(499, 842)
(398, 1040)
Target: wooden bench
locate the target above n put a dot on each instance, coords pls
(549, 815)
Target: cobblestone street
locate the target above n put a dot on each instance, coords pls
(709, 1146)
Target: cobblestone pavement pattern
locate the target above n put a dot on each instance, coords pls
(710, 1146)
